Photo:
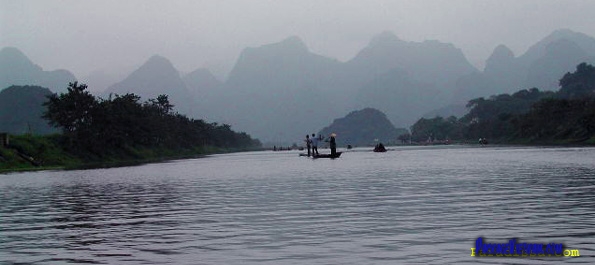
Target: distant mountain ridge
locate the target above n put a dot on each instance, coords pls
(280, 91)
(429, 61)
(541, 66)
(17, 69)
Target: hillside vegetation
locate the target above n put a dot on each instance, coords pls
(527, 116)
(120, 129)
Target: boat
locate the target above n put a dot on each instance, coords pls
(379, 148)
(337, 155)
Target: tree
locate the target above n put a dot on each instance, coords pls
(492, 118)
(437, 128)
(161, 104)
(579, 84)
(71, 111)
(404, 138)
(104, 126)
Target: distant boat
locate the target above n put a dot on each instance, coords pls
(379, 148)
(337, 155)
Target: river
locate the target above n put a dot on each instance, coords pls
(410, 205)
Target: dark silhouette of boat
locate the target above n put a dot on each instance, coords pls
(379, 148)
(337, 155)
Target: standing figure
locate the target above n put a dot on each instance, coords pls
(308, 144)
(333, 145)
(314, 145)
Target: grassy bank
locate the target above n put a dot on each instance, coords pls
(30, 153)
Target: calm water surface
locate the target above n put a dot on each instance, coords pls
(424, 205)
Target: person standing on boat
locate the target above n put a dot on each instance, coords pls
(333, 144)
(308, 144)
(314, 145)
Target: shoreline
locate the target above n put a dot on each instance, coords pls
(119, 163)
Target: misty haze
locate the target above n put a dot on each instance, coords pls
(302, 132)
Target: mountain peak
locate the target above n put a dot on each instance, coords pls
(293, 43)
(14, 58)
(13, 54)
(500, 60)
(585, 42)
(156, 76)
(201, 78)
(158, 60)
(564, 47)
(564, 33)
(502, 51)
(158, 64)
(293, 40)
(17, 69)
(384, 37)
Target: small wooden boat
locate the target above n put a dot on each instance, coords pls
(337, 155)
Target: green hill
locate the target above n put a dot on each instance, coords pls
(363, 127)
(21, 108)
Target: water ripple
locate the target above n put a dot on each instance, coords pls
(423, 205)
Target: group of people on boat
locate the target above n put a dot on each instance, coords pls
(379, 148)
(312, 144)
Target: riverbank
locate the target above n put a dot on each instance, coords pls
(590, 142)
(34, 153)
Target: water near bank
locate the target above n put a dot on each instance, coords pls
(410, 205)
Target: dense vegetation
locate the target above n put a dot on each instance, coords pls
(101, 126)
(34, 151)
(121, 128)
(527, 116)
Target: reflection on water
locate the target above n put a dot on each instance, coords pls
(410, 205)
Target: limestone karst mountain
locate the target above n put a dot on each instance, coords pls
(17, 69)
(541, 66)
(281, 90)
(278, 92)
(155, 77)
(204, 88)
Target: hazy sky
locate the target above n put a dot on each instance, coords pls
(118, 36)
